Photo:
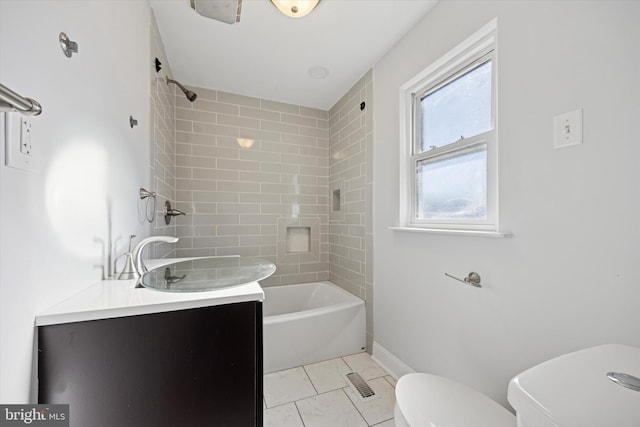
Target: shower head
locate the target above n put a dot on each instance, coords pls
(191, 96)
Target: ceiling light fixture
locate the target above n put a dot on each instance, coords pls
(295, 8)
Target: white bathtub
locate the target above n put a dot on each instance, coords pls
(310, 322)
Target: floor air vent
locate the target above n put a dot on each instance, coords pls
(360, 386)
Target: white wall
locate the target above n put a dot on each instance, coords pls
(566, 279)
(90, 159)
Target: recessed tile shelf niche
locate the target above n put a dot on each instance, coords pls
(298, 240)
(335, 200)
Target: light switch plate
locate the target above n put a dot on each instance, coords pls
(567, 129)
(19, 142)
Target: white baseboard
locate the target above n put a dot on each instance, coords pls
(389, 362)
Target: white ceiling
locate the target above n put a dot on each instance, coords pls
(268, 55)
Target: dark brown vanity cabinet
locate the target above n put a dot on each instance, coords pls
(197, 367)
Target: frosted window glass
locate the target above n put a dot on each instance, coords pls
(461, 108)
(453, 186)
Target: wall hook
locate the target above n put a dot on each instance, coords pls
(362, 105)
(473, 279)
(158, 65)
(68, 47)
(132, 122)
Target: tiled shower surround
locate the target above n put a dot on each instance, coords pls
(240, 200)
(307, 170)
(163, 148)
(351, 174)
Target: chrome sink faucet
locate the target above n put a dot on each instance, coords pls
(137, 251)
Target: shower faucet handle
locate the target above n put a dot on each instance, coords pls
(175, 212)
(169, 212)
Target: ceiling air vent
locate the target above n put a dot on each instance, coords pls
(221, 10)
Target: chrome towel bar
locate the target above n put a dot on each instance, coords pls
(11, 101)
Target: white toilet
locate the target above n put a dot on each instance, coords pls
(424, 400)
(596, 387)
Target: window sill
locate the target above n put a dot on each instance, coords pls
(450, 232)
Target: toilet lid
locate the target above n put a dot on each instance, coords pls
(575, 389)
(430, 400)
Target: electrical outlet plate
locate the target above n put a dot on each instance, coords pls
(19, 143)
(567, 129)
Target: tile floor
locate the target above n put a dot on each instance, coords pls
(318, 395)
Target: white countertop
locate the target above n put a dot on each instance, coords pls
(120, 298)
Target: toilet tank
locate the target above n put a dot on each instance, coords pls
(574, 390)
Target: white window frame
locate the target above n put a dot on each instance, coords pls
(476, 49)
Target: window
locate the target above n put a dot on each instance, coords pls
(448, 134)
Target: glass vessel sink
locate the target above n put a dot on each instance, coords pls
(207, 274)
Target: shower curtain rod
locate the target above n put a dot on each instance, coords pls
(11, 101)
